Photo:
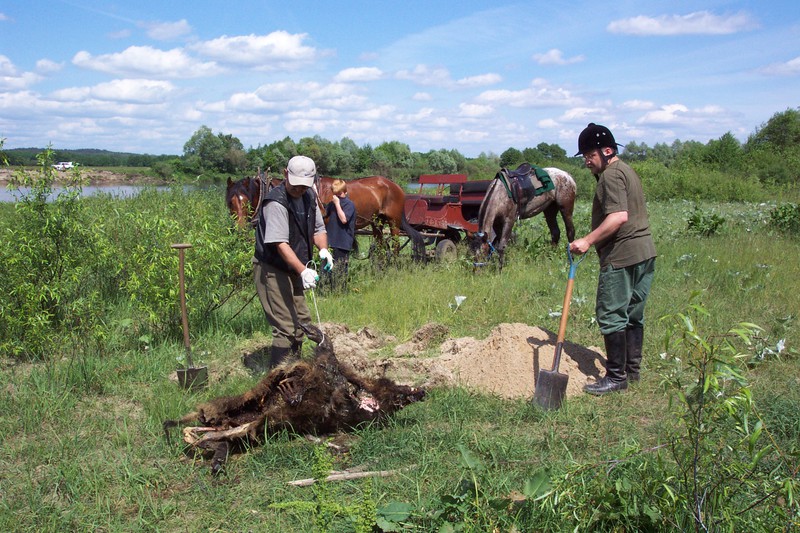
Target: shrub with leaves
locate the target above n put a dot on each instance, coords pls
(786, 218)
(719, 470)
(705, 224)
(216, 266)
(54, 267)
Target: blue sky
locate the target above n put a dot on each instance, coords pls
(475, 76)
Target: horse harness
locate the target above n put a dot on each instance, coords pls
(264, 186)
(525, 182)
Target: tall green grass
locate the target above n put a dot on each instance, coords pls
(81, 444)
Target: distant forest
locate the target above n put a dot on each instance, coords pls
(771, 154)
(86, 157)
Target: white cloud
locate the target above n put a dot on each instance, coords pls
(375, 113)
(46, 66)
(475, 110)
(422, 97)
(425, 75)
(540, 94)
(314, 113)
(7, 67)
(12, 78)
(699, 22)
(422, 115)
(166, 31)
(480, 80)
(556, 57)
(146, 61)
(283, 91)
(248, 102)
(668, 114)
(275, 51)
(583, 115)
(789, 68)
(359, 74)
(135, 91)
(302, 125)
(3, 16)
(637, 105)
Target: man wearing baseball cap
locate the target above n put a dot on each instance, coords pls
(289, 224)
(622, 238)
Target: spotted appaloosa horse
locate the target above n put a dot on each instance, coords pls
(498, 213)
(243, 197)
(378, 201)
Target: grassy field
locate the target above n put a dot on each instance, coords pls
(82, 446)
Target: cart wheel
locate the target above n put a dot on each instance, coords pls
(453, 235)
(446, 251)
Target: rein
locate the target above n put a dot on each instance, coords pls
(263, 189)
(317, 187)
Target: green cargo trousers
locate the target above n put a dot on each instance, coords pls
(281, 295)
(622, 294)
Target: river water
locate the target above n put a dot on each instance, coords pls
(119, 191)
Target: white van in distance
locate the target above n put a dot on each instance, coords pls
(64, 165)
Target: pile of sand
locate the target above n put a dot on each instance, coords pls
(506, 363)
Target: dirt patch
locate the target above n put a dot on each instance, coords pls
(506, 363)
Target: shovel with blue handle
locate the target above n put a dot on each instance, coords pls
(551, 385)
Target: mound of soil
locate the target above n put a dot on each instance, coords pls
(506, 363)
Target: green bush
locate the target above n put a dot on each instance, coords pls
(143, 229)
(786, 218)
(704, 224)
(55, 268)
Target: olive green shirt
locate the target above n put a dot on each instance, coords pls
(620, 189)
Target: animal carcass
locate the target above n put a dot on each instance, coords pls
(305, 397)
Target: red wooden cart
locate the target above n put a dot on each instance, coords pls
(445, 209)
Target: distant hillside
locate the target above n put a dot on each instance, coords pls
(88, 157)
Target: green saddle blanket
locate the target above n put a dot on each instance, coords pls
(525, 182)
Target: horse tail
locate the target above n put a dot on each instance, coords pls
(416, 238)
(484, 209)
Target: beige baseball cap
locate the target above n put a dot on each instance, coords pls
(301, 170)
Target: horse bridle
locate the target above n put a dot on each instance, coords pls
(263, 189)
(317, 187)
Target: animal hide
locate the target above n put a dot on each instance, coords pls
(304, 397)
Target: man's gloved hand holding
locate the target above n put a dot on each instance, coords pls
(326, 256)
(309, 277)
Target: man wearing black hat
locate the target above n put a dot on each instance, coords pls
(623, 241)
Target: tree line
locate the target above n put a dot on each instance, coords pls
(771, 153)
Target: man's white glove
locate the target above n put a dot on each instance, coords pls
(309, 277)
(325, 255)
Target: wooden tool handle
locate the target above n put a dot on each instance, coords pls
(562, 326)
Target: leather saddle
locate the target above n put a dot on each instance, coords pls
(525, 182)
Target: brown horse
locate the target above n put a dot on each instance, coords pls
(243, 196)
(498, 213)
(378, 201)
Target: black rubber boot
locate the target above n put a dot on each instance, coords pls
(634, 337)
(297, 349)
(278, 355)
(615, 378)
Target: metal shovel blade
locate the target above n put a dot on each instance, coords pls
(551, 387)
(193, 378)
